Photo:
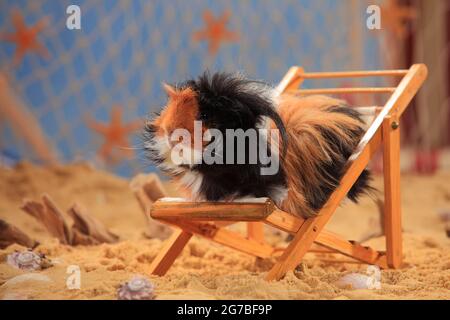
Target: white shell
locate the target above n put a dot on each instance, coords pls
(25, 260)
(138, 288)
(356, 281)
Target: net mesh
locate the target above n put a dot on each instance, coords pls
(125, 49)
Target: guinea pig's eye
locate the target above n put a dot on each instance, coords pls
(203, 115)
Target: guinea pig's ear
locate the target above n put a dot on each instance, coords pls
(171, 91)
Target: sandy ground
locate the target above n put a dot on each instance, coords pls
(209, 271)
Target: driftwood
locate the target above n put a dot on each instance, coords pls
(10, 234)
(86, 230)
(47, 213)
(148, 188)
(87, 225)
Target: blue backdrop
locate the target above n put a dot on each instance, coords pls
(125, 49)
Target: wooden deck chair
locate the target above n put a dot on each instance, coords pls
(208, 219)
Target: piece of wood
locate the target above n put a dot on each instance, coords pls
(225, 237)
(49, 215)
(290, 81)
(212, 211)
(397, 102)
(10, 234)
(255, 231)
(80, 239)
(86, 230)
(310, 229)
(284, 221)
(392, 201)
(354, 74)
(148, 188)
(169, 252)
(371, 90)
(351, 249)
(89, 226)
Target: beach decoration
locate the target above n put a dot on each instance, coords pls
(10, 234)
(357, 281)
(215, 31)
(138, 288)
(148, 188)
(28, 260)
(115, 135)
(25, 37)
(86, 230)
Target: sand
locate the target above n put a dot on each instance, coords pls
(209, 271)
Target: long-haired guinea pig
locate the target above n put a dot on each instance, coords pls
(313, 138)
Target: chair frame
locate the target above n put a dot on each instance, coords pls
(209, 219)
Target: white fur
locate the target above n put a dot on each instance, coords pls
(278, 194)
(193, 181)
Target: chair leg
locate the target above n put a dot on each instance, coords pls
(295, 251)
(311, 227)
(255, 231)
(392, 207)
(170, 251)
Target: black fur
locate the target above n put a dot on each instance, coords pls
(335, 169)
(147, 136)
(226, 102)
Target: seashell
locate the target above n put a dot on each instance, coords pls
(138, 288)
(28, 260)
(357, 281)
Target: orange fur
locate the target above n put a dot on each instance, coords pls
(180, 112)
(307, 147)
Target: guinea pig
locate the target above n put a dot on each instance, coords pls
(293, 149)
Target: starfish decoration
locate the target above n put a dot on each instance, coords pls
(115, 135)
(25, 38)
(215, 31)
(394, 17)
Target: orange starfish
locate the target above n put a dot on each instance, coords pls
(215, 31)
(394, 17)
(25, 37)
(115, 134)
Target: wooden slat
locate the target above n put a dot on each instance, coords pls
(310, 229)
(351, 249)
(225, 237)
(398, 102)
(392, 201)
(255, 231)
(291, 224)
(354, 74)
(212, 211)
(290, 81)
(284, 221)
(370, 90)
(169, 252)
